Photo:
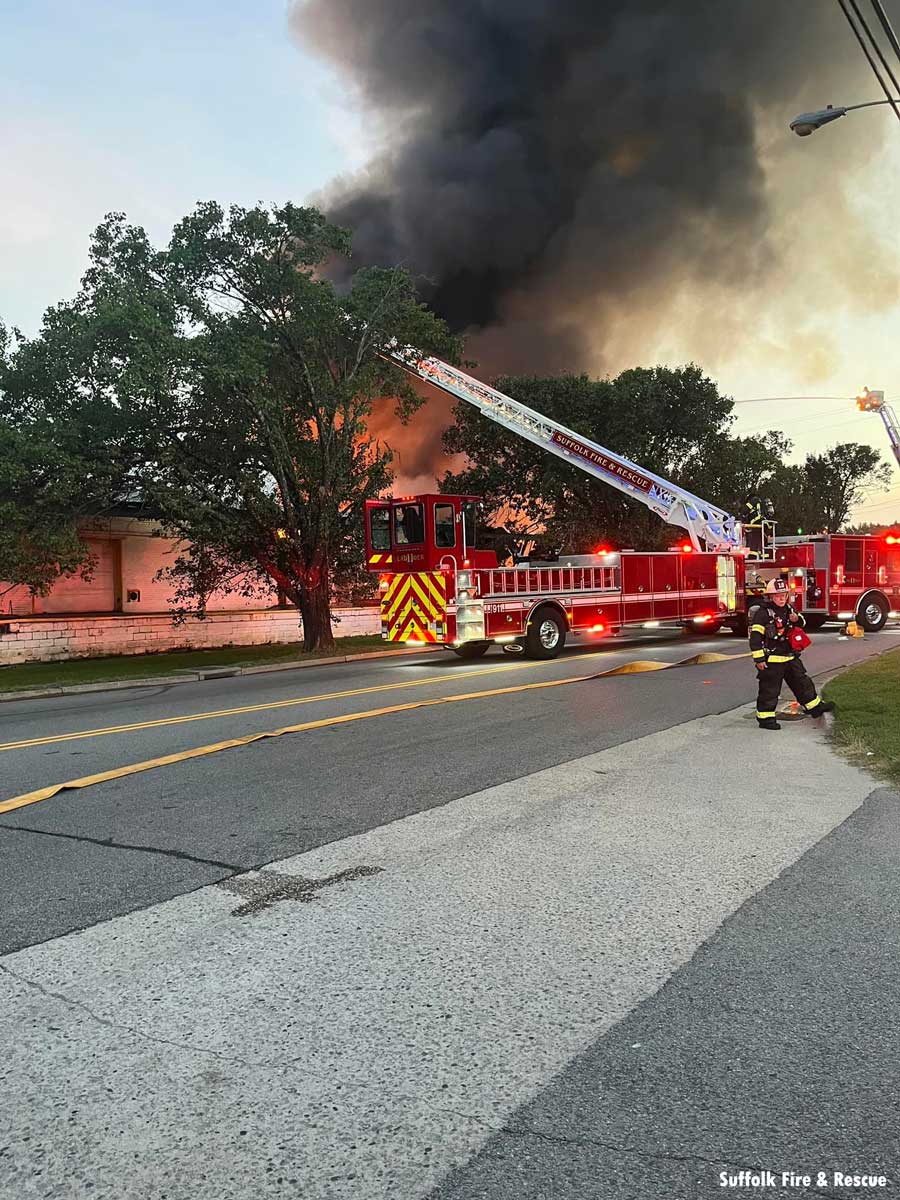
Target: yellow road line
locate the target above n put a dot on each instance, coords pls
(52, 739)
(323, 723)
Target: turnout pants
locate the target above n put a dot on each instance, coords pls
(793, 673)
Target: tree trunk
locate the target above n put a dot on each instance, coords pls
(315, 609)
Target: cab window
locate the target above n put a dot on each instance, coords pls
(380, 528)
(470, 516)
(409, 527)
(853, 558)
(444, 526)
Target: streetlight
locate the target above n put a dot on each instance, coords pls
(808, 123)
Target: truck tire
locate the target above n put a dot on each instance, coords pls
(546, 634)
(707, 629)
(872, 612)
(471, 649)
(815, 621)
(739, 625)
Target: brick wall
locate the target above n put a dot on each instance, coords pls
(53, 638)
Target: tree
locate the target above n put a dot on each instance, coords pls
(244, 380)
(833, 482)
(64, 454)
(270, 462)
(874, 528)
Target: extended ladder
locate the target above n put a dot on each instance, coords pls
(710, 528)
(869, 401)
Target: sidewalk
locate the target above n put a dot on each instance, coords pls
(363, 1045)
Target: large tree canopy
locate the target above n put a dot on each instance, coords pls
(244, 380)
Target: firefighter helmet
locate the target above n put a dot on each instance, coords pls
(776, 585)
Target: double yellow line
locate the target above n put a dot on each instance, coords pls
(104, 731)
(201, 751)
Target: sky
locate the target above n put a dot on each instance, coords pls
(148, 108)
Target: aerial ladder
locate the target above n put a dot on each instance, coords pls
(710, 528)
(868, 401)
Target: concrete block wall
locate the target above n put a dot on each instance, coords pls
(57, 638)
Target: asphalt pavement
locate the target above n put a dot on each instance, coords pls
(114, 847)
(623, 976)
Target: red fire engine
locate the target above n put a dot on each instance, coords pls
(841, 576)
(437, 586)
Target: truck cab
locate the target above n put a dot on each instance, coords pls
(430, 532)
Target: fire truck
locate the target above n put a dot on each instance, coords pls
(437, 586)
(840, 577)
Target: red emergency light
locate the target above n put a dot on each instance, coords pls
(892, 540)
(686, 548)
(603, 550)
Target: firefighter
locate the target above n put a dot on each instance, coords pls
(753, 525)
(773, 624)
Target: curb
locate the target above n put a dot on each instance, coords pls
(77, 689)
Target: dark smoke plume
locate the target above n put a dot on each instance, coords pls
(547, 165)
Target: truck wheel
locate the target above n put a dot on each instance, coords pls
(707, 629)
(815, 621)
(739, 625)
(872, 612)
(471, 649)
(546, 634)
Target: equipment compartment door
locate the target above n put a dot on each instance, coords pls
(665, 587)
(726, 582)
(637, 588)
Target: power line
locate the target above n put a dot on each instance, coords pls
(766, 399)
(866, 52)
(865, 506)
(804, 421)
(886, 26)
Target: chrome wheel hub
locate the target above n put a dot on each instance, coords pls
(872, 614)
(549, 634)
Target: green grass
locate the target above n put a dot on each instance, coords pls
(867, 719)
(147, 666)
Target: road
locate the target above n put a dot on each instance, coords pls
(564, 879)
(86, 856)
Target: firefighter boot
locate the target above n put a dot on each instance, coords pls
(767, 723)
(819, 710)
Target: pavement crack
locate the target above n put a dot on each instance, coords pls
(110, 844)
(106, 1023)
(509, 1130)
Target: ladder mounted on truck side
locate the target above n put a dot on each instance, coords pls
(709, 527)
